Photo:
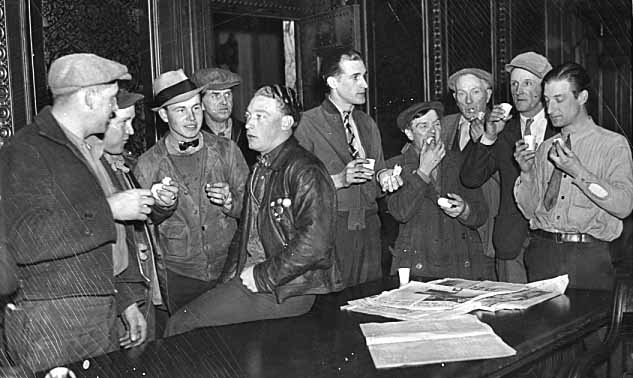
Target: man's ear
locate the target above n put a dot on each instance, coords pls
(332, 82)
(489, 93)
(583, 96)
(409, 134)
(89, 96)
(286, 122)
(162, 113)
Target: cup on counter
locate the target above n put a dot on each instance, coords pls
(404, 275)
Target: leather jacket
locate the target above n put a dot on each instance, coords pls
(298, 239)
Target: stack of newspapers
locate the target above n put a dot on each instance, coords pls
(437, 326)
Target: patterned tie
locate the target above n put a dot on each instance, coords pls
(528, 127)
(350, 135)
(553, 187)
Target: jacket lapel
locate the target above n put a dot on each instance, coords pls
(333, 131)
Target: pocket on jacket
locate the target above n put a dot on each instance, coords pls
(175, 237)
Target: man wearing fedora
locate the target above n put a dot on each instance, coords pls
(472, 89)
(61, 224)
(494, 153)
(217, 98)
(435, 239)
(210, 173)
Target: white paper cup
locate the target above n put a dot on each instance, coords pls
(370, 164)
(60, 372)
(404, 273)
(530, 141)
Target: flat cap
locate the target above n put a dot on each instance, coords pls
(125, 99)
(75, 71)
(410, 113)
(532, 62)
(484, 75)
(215, 78)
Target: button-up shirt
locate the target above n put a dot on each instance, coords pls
(579, 207)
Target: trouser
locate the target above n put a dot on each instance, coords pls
(231, 303)
(48, 333)
(587, 264)
(178, 290)
(358, 252)
(512, 270)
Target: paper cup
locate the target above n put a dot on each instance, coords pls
(370, 164)
(60, 372)
(531, 143)
(404, 273)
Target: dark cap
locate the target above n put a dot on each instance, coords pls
(125, 99)
(75, 71)
(532, 62)
(215, 78)
(410, 113)
(484, 75)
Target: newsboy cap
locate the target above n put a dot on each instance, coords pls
(484, 75)
(410, 113)
(532, 62)
(216, 78)
(75, 71)
(125, 99)
(172, 87)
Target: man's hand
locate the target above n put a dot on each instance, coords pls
(523, 156)
(136, 327)
(248, 278)
(457, 205)
(166, 195)
(389, 182)
(220, 194)
(430, 156)
(353, 173)
(132, 204)
(565, 160)
(476, 129)
(496, 122)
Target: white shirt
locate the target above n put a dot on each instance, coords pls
(464, 132)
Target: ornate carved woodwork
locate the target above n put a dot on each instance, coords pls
(6, 124)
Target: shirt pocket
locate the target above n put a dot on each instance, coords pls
(176, 239)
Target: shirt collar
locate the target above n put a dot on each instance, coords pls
(266, 160)
(342, 111)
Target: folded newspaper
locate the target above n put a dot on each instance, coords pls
(448, 297)
(420, 342)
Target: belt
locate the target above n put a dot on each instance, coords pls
(564, 237)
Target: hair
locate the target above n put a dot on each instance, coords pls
(574, 73)
(331, 64)
(286, 99)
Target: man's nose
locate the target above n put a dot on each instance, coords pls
(129, 129)
(469, 99)
(363, 83)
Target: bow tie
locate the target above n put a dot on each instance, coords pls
(182, 146)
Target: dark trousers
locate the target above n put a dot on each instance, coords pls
(358, 252)
(231, 303)
(47, 333)
(178, 290)
(587, 264)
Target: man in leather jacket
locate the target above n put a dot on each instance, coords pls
(282, 253)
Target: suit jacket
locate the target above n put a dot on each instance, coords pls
(482, 162)
(60, 228)
(321, 132)
(490, 189)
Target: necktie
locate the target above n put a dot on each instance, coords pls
(182, 146)
(553, 187)
(528, 127)
(350, 135)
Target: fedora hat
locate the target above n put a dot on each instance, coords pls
(172, 87)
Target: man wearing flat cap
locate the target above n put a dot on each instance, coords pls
(210, 173)
(60, 221)
(435, 238)
(493, 153)
(217, 98)
(472, 89)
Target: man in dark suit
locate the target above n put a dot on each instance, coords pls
(493, 152)
(217, 98)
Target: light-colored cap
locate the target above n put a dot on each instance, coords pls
(75, 71)
(172, 87)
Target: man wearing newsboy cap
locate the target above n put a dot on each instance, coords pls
(435, 240)
(217, 98)
(61, 224)
(472, 89)
(210, 173)
(494, 153)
